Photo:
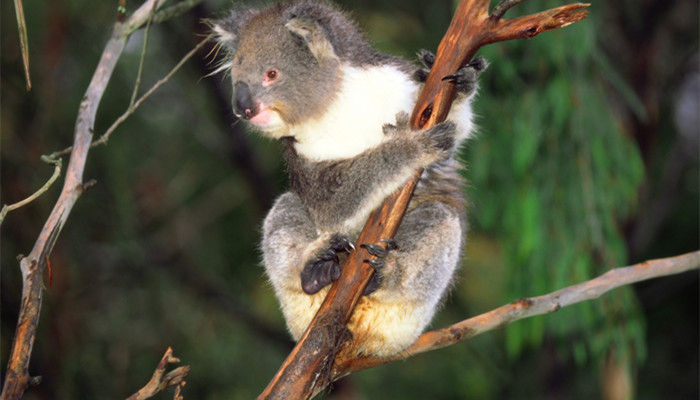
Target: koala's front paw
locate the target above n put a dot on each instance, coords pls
(325, 267)
(440, 140)
(437, 143)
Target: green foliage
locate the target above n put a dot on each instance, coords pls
(554, 176)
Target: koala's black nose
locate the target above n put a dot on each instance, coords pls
(243, 104)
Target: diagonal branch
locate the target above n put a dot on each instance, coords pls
(307, 369)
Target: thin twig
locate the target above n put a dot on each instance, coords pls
(500, 9)
(105, 137)
(57, 162)
(142, 60)
(129, 111)
(174, 10)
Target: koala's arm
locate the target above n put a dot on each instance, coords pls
(352, 188)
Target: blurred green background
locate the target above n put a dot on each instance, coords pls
(586, 158)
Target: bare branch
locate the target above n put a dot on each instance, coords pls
(530, 307)
(32, 266)
(56, 173)
(161, 381)
(132, 108)
(174, 10)
(504, 6)
(142, 60)
(105, 137)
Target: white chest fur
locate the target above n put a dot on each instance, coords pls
(368, 99)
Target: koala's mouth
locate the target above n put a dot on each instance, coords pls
(267, 119)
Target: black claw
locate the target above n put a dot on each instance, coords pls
(376, 250)
(377, 264)
(466, 77)
(478, 63)
(452, 78)
(341, 243)
(421, 75)
(428, 59)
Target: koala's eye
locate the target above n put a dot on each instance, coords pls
(271, 75)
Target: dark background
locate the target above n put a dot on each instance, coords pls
(586, 158)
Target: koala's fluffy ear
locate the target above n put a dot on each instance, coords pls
(223, 35)
(315, 37)
(226, 29)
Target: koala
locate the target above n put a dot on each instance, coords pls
(303, 73)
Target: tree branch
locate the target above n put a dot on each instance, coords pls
(530, 307)
(32, 266)
(307, 369)
(56, 173)
(161, 381)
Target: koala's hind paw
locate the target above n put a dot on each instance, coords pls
(324, 268)
(465, 79)
(378, 263)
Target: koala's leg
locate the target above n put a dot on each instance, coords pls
(295, 255)
(288, 232)
(414, 279)
(429, 243)
(290, 240)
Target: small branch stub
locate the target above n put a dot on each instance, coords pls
(161, 381)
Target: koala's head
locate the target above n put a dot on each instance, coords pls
(285, 61)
